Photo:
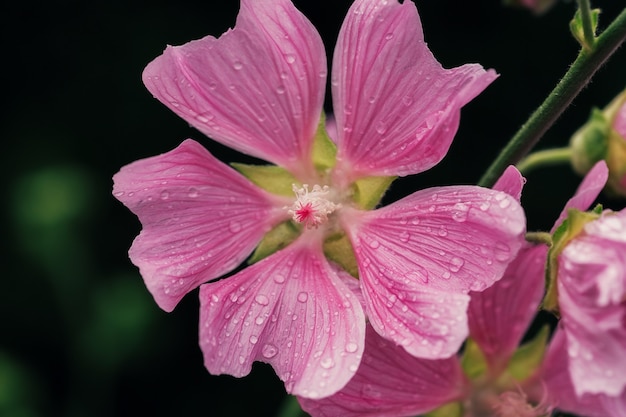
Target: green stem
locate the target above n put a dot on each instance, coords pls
(544, 158)
(539, 237)
(585, 13)
(577, 77)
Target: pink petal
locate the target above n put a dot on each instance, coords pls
(392, 383)
(419, 256)
(259, 88)
(511, 182)
(290, 310)
(200, 219)
(592, 289)
(500, 315)
(587, 191)
(561, 391)
(390, 93)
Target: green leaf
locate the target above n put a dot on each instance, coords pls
(324, 150)
(276, 239)
(271, 178)
(473, 360)
(527, 359)
(370, 190)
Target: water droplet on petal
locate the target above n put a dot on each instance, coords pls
(269, 351)
(237, 65)
(459, 212)
(234, 227)
(262, 299)
(193, 192)
(352, 347)
(290, 58)
(253, 339)
(381, 127)
(165, 195)
(502, 252)
(374, 244)
(456, 264)
(279, 279)
(327, 363)
(303, 296)
(389, 36)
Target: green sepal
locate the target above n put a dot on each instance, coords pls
(337, 248)
(568, 230)
(473, 360)
(368, 191)
(324, 149)
(576, 26)
(275, 240)
(527, 359)
(271, 178)
(454, 409)
(590, 143)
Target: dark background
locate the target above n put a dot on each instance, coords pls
(79, 333)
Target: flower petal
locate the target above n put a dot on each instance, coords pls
(200, 219)
(392, 383)
(500, 315)
(290, 310)
(592, 288)
(390, 93)
(587, 191)
(259, 88)
(419, 256)
(511, 182)
(561, 391)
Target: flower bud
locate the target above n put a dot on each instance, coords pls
(603, 137)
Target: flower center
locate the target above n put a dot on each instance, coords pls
(515, 404)
(311, 208)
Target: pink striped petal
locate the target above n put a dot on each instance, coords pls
(592, 289)
(397, 109)
(561, 391)
(200, 219)
(290, 310)
(511, 182)
(259, 88)
(392, 383)
(419, 256)
(500, 315)
(587, 191)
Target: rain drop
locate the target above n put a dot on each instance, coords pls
(279, 279)
(352, 347)
(374, 244)
(165, 195)
(303, 296)
(290, 58)
(269, 351)
(389, 36)
(262, 299)
(193, 192)
(456, 264)
(237, 65)
(234, 227)
(253, 339)
(327, 363)
(381, 127)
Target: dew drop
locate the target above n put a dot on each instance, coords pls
(280, 89)
(371, 100)
(327, 363)
(290, 58)
(303, 296)
(237, 65)
(389, 36)
(381, 127)
(193, 192)
(442, 231)
(374, 244)
(407, 100)
(459, 212)
(502, 252)
(253, 339)
(269, 351)
(262, 299)
(352, 347)
(165, 195)
(404, 236)
(456, 264)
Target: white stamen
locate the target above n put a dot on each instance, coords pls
(311, 207)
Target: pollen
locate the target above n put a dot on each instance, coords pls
(311, 208)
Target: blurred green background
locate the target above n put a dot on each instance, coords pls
(79, 333)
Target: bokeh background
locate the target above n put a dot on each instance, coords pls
(79, 333)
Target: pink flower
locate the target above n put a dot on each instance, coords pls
(259, 88)
(591, 282)
(498, 381)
